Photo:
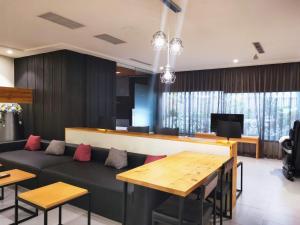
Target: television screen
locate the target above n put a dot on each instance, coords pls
(215, 117)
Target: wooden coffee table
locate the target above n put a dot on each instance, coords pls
(52, 196)
(15, 178)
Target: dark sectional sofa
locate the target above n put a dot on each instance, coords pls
(106, 191)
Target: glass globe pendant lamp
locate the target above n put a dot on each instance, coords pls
(159, 40)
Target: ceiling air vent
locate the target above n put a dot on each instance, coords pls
(55, 18)
(138, 61)
(258, 47)
(110, 39)
(172, 5)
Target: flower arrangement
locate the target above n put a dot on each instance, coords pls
(10, 107)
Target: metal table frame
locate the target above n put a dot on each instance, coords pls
(59, 206)
(16, 207)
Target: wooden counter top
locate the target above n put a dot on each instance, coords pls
(178, 174)
(155, 136)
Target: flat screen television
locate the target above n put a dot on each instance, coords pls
(215, 117)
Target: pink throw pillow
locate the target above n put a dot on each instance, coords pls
(83, 153)
(33, 143)
(152, 158)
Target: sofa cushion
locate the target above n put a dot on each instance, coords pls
(55, 147)
(87, 174)
(83, 153)
(116, 158)
(33, 143)
(31, 159)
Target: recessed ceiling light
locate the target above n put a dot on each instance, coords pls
(118, 72)
(9, 51)
(235, 61)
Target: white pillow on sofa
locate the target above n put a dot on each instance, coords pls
(55, 147)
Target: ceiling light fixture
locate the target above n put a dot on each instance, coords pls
(174, 47)
(9, 51)
(235, 61)
(159, 40)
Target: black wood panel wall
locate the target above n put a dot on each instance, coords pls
(70, 89)
(101, 93)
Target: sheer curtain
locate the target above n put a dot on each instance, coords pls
(269, 115)
(190, 111)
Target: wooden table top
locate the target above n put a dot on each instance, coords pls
(244, 138)
(153, 136)
(15, 177)
(52, 195)
(178, 174)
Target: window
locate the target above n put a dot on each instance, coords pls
(269, 115)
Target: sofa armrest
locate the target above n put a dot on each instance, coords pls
(12, 145)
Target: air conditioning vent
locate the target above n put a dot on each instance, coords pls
(110, 39)
(172, 5)
(55, 18)
(258, 47)
(139, 61)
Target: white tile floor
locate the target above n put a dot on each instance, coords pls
(268, 199)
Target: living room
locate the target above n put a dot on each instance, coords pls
(149, 112)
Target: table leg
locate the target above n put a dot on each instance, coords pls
(89, 208)
(125, 187)
(16, 207)
(2, 193)
(257, 153)
(181, 209)
(59, 215)
(45, 217)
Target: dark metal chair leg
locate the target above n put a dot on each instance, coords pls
(125, 187)
(221, 202)
(215, 208)
(181, 209)
(230, 196)
(239, 191)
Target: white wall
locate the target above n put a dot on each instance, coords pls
(6, 71)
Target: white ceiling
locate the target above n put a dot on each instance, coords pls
(214, 32)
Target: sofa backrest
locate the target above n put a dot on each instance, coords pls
(100, 154)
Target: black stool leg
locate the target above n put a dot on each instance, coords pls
(45, 217)
(89, 208)
(2, 193)
(16, 212)
(59, 215)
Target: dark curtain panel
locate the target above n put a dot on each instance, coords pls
(266, 78)
(268, 96)
(201, 80)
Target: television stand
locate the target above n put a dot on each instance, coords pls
(243, 139)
